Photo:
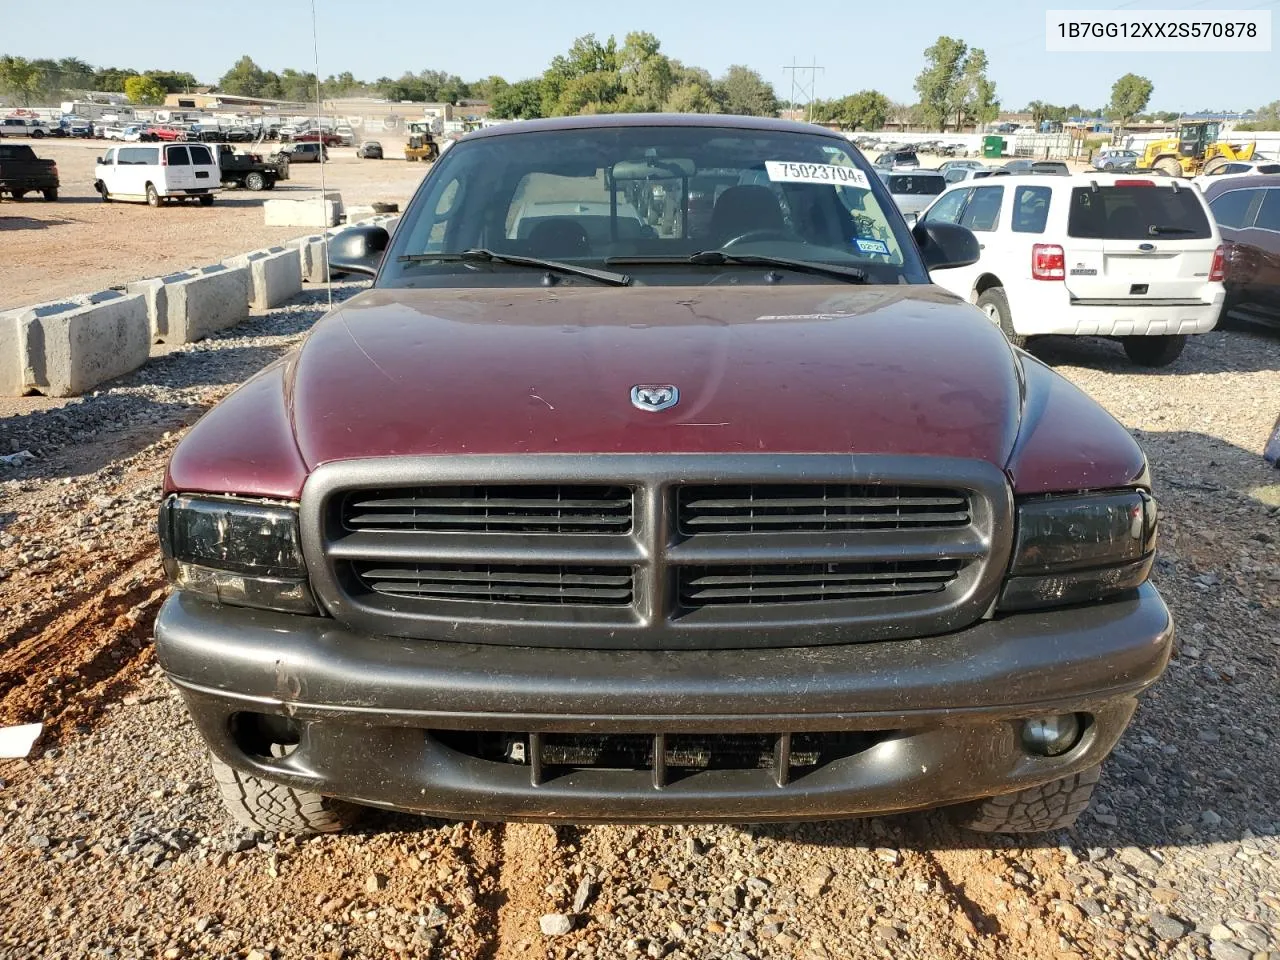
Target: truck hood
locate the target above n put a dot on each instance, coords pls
(804, 368)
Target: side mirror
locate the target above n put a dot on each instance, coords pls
(946, 245)
(360, 250)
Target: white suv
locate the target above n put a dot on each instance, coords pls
(1111, 255)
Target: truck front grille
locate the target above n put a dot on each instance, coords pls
(512, 583)
(652, 552)
(777, 508)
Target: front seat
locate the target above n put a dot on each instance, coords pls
(745, 209)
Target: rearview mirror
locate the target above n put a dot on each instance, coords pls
(946, 245)
(358, 250)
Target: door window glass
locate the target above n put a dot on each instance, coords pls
(1231, 209)
(1269, 213)
(1031, 209)
(983, 210)
(947, 208)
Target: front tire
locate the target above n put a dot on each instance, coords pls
(37, 134)
(263, 805)
(51, 194)
(1217, 163)
(1050, 806)
(206, 200)
(1170, 166)
(255, 181)
(153, 198)
(1154, 351)
(995, 304)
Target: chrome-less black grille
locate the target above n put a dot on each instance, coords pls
(811, 582)
(492, 508)
(781, 507)
(509, 583)
(657, 552)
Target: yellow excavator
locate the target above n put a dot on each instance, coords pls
(1196, 150)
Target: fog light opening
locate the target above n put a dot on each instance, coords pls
(1052, 736)
(265, 736)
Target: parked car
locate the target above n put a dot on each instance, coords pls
(24, 127)
(346, 136)
(302, 152)
(166, 132)
(157, 173)
(961, 174)
(1115, 158)
(317, 136)
(898, 160)
(915, 190)
(1093, 254)
(1022, 165)
(452, 558)
(125, 134)
(948, 165)
(1247, 210)
(22, 172)
(72, 126)
(370, 150)
(1237, 168)
(1050, 168)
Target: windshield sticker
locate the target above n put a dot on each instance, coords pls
(783, 171)
(872, 246)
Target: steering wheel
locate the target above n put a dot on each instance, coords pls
(752, 235)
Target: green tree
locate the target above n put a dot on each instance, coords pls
(19, 78)
(76, 74)
(171, 81)
(247, 79)
(143, 90)
(866, 110)
(691, 97)
(298, 87)
(1129, 96)
(488, 88)
(743, 91)
(518, 101)
(975, 97)
(938, 82)
(111, 79)
(586, 56)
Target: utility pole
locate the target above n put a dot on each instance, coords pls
(806, 89)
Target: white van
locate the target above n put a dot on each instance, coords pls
(1136, 258)
(157, 172)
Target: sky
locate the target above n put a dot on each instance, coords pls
(860, 44)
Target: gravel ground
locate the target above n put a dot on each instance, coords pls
(113, 842)
(50, 250)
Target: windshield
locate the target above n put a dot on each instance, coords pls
(916, 184)
(653, 196)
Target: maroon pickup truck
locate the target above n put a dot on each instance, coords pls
(593, 510)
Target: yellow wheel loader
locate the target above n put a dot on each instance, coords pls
(1196, 150)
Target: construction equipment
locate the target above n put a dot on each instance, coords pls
(422, 145)
(1196, 150)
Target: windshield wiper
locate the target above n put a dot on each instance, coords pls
(481, 255)
(717, 258)
(1156, 230)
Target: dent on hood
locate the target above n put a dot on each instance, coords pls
(1067, 441)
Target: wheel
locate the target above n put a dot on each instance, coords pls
(51, 194)
(18, 194)
(1169, 165)
(153, 198)
(102, 190)
(206, 199)
(1050, 806)
(37, 134)
(995, 305)
(1217, 163)
(1229, 303)
(255, 181)
(268, 806)
(1154, 351)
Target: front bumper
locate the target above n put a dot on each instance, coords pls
(942, 714)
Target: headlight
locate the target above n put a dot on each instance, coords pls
(242, 553)
(1080, 548)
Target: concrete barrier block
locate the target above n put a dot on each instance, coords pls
(275, 275)
(359, 211)
(312, 260)
(312, 212)
(155, 293)
(205, 301)
(69, 347)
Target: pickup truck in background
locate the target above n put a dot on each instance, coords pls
(249, 170)
(24, 127)
(22, 172)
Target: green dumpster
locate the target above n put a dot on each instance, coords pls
(992, 147)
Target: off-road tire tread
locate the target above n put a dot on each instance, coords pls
(1050, 806)
(275, 808)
